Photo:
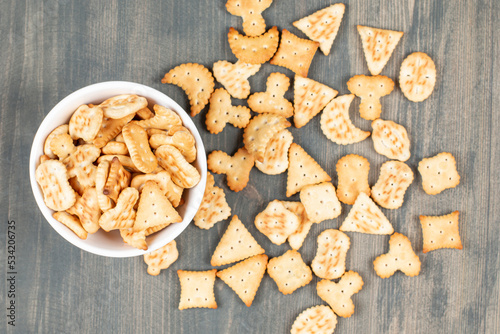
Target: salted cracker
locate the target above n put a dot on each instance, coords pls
(338, 295)
(289, 271)
(329, 262)
(138, 147)
(391, 140)
(124, 105)
(320, 202)
(438, 173)
(352, 170)
(417, 76)
(110, 128)
(253, 49)
(182, 172)
(197, 289)
(221, 112)
(389, 191)
(370, 89)
(336, 124)
(213, 207)
(296, 239)
(52, 177)
(87, 209)
(122, 216)
(61, 129)
(237, 167)
(234, 77)
(276, 155)
(70, 222)
(400, 257)
(440, 232)
(315, 320)
(251, 13)
(162, 258)
(273, 99)
(183, 140)
(276, 222)
(164, 181)
(378, 45)
(86, 122)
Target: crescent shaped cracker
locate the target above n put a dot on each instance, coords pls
(254, 50)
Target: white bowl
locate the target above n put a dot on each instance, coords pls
(110, 243)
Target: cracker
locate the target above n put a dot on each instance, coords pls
(366, 217)
(144, 113)
(71, 222)
(101, 176)
(213, 207)
(417, 77)
(121, 106)
(137, 143)
(87, 209)
(273, 99)
(310, 97)
(182, 172)
(329, 262)
(315, 320)
(295, 53)
(182, 140)
(235, 245)
(52, 177)
(440, 232)
(438, 173)
(259, 132)
(44, 158)
(80, 164)
(378, 45)
(303, 170)
(197, 289)
(115, 147)
(221, 112)
(234, 77)
(77, 186)
(289, 272)
(125, 160)
(110, 128)
(154, 208)
(320, 202)
(276, 222)
(85, 122)
(196, 80)
(322, 26)
(400, 257)
(164, 181)
(276, 155)
(251, 13)
(370, 89)
(389, 191)
(336, 124)
(391, 140)
(61, 129)
(134, 239)
(62, 146)
(245, 277)
(162, 258)
(296, 239)
(122, 216)
(117, 180)
(164, 119)
(237, 167)
(352, 171)
(338, 295)
(256, 49)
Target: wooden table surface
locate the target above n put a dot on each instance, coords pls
(52, 48)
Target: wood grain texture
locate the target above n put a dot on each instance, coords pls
(54, 47)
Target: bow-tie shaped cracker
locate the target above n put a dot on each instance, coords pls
(222, 112)
(272, 100)
(237, 168)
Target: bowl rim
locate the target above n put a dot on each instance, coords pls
(50, 122)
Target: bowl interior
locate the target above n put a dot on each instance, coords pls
(110, 243)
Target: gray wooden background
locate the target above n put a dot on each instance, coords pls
(52, 48)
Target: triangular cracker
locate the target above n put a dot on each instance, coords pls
(315, 320)
(253, 50)
(234, 77)
(276, 156)
(310, 97)
(213, 207)
(276, 222)
(302, 170)
(366, 217)
(273, 99)
(235, 245)
(323, 25)
(378, 45)
(245, 277)
(221, 112)
(400, 257)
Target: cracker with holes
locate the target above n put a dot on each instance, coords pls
(310, 97)
(329, 262)
(71, 222)
(110, 128)
(336, 124)
(154, 208)
(440, 232)
(117, 180)
(164, 181)
(162, 258)
(235, 245)
(86, 122)
(80, 164)
(378, 45)
(338, 295)
(183, 140)
(254, 49)
(303, 170)
(352, 171)
(295, 53)
(213, 207)
(391, 140)
(439, 173)
(197, 289)
(137, 143)
(134, 239)
(245, 277)
(400, 257)
(296, 239)
(182, 172)
(121, 106)
(62, 146)
(417, 76)
(370, 89)
(322, 26)
(163, 119)
(320, 202)
(276, 222)
(276, 156)
(221, 112)
(389, 191)
(251, 13)
(234, 77)
(122, 216)
(52, 177)
(196, 80)
(366, 217)
(273, 99)
(87, 209)
(259, 132)
(289, 272)
(237, 167)
(61, 129)
(315, 320)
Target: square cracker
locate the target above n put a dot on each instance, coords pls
(197, 289)
(320, 201)
(439, 173)
(289, 272)
(440, 232)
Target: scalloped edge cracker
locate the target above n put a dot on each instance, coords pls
(276, 222)
(276, 156)
(378, 45)
(254, 49)
(439, 173)
(162, 258)
(197, 289)
(52, 177)
(370, 89)
(440, 232)
(329, 262)
(251, 13)
(315, 320)
(234, 77)
(389, 191)
(221, 112)
(352, 170)
(391, 140)
(417, 76)
(213, 207)
(289, 272)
